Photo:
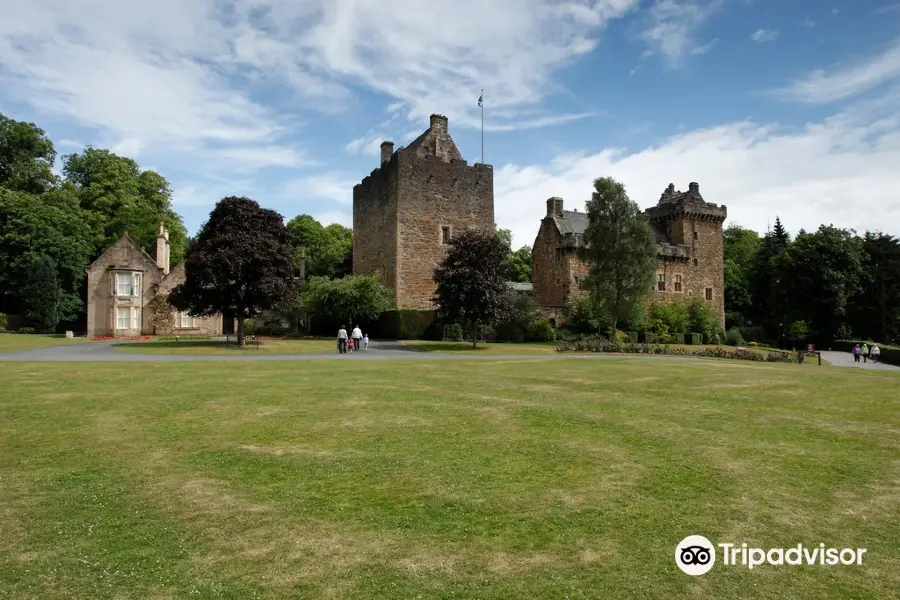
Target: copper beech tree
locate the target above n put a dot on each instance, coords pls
(471, 282)
(241, 263)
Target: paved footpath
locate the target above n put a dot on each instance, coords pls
(845, 359)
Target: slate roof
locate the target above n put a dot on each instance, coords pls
(575, 223)
(571, 222)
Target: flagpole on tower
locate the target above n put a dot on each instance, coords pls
(481, 104)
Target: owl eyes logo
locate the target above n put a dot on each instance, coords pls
(695, 555)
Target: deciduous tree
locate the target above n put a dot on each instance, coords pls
(620, 251)
(41, 295)
(26, 157)
(328, 250)
(471, 282)
(241, 263)
(351, 298)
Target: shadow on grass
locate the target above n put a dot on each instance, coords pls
(448, 347)
(215, 344)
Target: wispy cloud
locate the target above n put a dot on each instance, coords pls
(764, 35)
(887, 9)
(807, 23)
(705, 48)
(820, 87)
(672, 26)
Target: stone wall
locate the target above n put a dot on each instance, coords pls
(434, 194)
(375, 224)
(208, 326)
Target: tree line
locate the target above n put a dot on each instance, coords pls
(54, 224)
(820, 286)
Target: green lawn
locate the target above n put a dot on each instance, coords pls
(219, 348)
(483, 348)
(441, 479)
(15, 342)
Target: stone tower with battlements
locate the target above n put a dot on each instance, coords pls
(407, 210)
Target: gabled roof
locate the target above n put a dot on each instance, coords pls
(125, 239)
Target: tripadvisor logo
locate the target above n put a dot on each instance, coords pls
(696, 555)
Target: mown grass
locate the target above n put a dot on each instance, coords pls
(214, 347)
(15, 342)
(438, 479)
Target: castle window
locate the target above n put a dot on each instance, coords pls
(445, 235)
(660, 282)
(696, 262)
(695, 235)
(678, 283)
(559, 255)
(709, 294)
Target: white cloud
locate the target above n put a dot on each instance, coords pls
(847, 81)
(331, 187)
(841, 170)
(699, 50)
(180, 72)
(369, 144)
(764, 35)
(673, 24)
(807, 23)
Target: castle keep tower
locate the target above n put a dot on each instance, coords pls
(407, 210)
(690, 246)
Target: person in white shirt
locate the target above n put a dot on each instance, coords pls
(875, 353)
(366, 342)
(357, 337)
(342, 340)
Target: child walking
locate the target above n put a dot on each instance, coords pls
(366, 342)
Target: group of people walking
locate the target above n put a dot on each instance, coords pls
(867, 352)
(355, 341)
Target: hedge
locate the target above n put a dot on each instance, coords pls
(403, 324)
(694, 339)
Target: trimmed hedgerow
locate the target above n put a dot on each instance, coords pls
(596, 345)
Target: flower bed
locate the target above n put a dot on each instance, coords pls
(595, 345)
(134, 338)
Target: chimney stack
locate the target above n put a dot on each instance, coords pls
(162, 248)
(555, 207)
(439, 123)
(387, 150)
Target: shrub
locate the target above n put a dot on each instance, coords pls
(597, 345)
(403, 324)
(26, 330)
(586, 316)
(622, 337)
(542, 331)
(649, 337)
(678, 338)
(694, 339)
(753, 344)
(733, 338)
(250, 327)
(3, 321)
(453, 333)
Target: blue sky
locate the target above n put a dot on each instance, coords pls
(775, 108)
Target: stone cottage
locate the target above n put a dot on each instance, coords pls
(122, 284)
(689, 248)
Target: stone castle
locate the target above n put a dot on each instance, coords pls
(689, 248)
(406, 211)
